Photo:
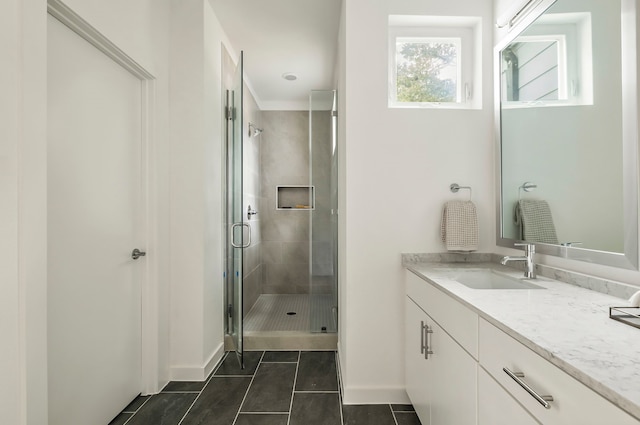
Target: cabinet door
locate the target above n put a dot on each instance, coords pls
(496, 406)
(417, 379)
(454, 381)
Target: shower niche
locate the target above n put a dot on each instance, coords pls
(295, 197)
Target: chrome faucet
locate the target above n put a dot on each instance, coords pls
(530, 267)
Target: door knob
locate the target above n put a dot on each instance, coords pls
(250, 212)
(136, 253)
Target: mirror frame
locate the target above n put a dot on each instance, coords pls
(629, 258)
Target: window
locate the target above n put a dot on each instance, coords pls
(427, 69)
(432, 62)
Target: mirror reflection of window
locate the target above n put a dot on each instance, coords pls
(534, 71)
(550, 64)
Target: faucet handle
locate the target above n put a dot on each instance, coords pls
(570, 244)
(528, 247)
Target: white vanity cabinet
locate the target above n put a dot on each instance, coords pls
(441, 375)
(572, 402)
(463, 370)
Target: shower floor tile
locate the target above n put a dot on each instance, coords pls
(269, 313)
(272, 312)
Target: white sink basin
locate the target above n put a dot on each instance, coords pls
(489, 279)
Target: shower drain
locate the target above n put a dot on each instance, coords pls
(291, 313)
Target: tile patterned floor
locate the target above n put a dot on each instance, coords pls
(275, 388)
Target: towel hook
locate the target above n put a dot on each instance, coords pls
(455, 187)
(527, 187)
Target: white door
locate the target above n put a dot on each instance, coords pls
(94, 207)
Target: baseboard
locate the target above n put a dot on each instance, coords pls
(369, 395)
(195, 373)
(214, 359)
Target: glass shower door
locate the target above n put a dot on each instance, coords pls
(239, 231)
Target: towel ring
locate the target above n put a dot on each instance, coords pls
(455, 187)
(527, 187)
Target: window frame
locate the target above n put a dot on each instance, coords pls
(466, 66)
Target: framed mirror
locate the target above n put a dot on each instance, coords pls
(566, 121)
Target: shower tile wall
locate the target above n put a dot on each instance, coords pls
(323, 166)
(253, 269)
(285, 234)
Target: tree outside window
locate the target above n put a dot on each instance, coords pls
(427, 70)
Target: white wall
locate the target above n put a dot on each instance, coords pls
(214, 161)
(396, 168)
(197, 320)
(23, 362)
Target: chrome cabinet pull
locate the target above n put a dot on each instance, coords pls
(425, 331)
(517, 376)
(233, 226)
(422, 336)
(428, 347)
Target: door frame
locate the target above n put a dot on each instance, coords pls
(147, 220)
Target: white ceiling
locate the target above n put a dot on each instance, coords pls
(279, 36)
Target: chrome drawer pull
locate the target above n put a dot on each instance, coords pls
(517, 376)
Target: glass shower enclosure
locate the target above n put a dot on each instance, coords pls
(322, 212)
(323, 172)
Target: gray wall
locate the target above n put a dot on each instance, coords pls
(322, 276)
(252, 266)
(285, 234)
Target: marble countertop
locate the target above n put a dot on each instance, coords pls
(567, 325)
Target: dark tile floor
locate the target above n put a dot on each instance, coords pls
(275, 388)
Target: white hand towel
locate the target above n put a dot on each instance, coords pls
(459, 227)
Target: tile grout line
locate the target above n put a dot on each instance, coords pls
(339, 382)
(137, 410)
(393, 414)
(255, 372)
(181, 392)
(213, 372)
(293, 389)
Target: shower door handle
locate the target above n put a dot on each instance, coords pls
(232, 236)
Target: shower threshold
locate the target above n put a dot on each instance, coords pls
(285, 340)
